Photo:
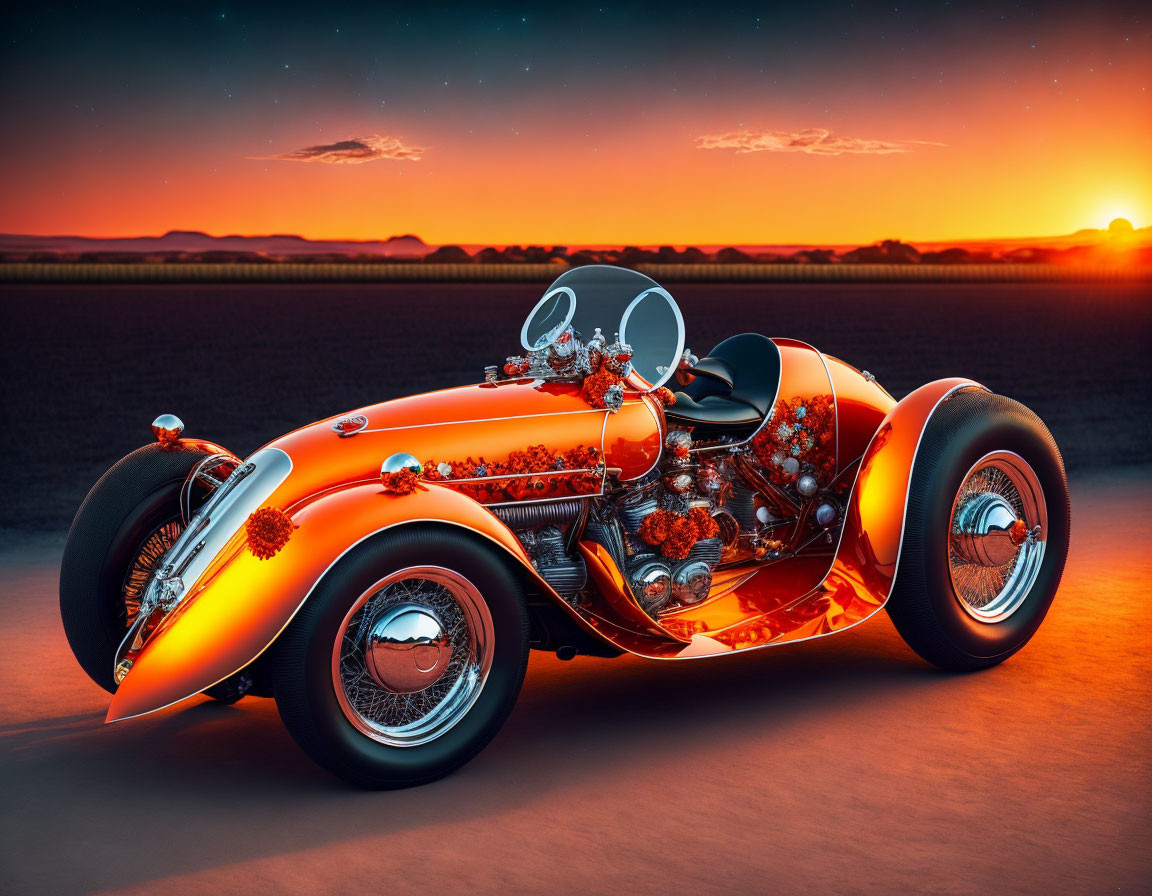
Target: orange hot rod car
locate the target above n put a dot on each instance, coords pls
(384, 573)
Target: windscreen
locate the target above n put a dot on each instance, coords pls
(620, 302)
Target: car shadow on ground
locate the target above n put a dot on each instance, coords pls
(232, 775)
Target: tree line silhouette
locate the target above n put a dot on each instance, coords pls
(886, 252)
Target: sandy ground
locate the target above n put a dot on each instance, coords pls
(842, 765)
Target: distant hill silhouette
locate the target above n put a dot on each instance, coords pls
(1120, 243)
(194, 242)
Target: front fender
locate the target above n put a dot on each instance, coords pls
(243, 603)
(861, 577)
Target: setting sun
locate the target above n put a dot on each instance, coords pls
(1114, 214)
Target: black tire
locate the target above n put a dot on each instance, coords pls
(302, 660)
(924, 605)
(131, 500)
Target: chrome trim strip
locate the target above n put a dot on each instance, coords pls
(198, 472)
(835, 410)
(485, 420)
(471, 479)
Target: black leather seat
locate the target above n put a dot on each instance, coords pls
(734, 388)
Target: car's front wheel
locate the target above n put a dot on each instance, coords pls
(405, 660)
(129, 519)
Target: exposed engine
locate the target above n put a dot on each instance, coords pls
(704, 506)
(656, 579)
(729, 501)
(751, 518)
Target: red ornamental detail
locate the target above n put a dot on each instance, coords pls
(268, 530)
(596, 386)
(675, 534)
(402, 482)
(533, 459)
(804, 429)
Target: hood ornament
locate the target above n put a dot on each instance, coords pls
(349, 426)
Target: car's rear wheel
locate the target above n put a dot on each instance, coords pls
(985, 534)
(405, 660)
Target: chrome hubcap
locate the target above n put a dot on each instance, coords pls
(412, 655)
(997, 533)
(407, 649)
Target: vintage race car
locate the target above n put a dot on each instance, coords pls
(382, 574)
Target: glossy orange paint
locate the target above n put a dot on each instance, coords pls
(242, 603)
(864, 567)
(487, 421)
(634, 436)
(861, 577)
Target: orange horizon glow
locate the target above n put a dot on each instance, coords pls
(998, 152)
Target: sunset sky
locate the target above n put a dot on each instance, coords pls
(828, 123)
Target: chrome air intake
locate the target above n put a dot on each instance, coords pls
(564, 572)
(208, 532)
(542, 513)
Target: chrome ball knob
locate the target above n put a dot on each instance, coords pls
(167, 428)
(825, 515)
(407, 650)
(678, 442)
(402, 461)
(807, 486)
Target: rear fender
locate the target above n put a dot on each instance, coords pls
(242, 603)
(868, 556)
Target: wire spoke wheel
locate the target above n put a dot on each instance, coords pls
(154, 546)
(997, 535)
(412, 655)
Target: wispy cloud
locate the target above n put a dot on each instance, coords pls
(353, 151)
(815, 141)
